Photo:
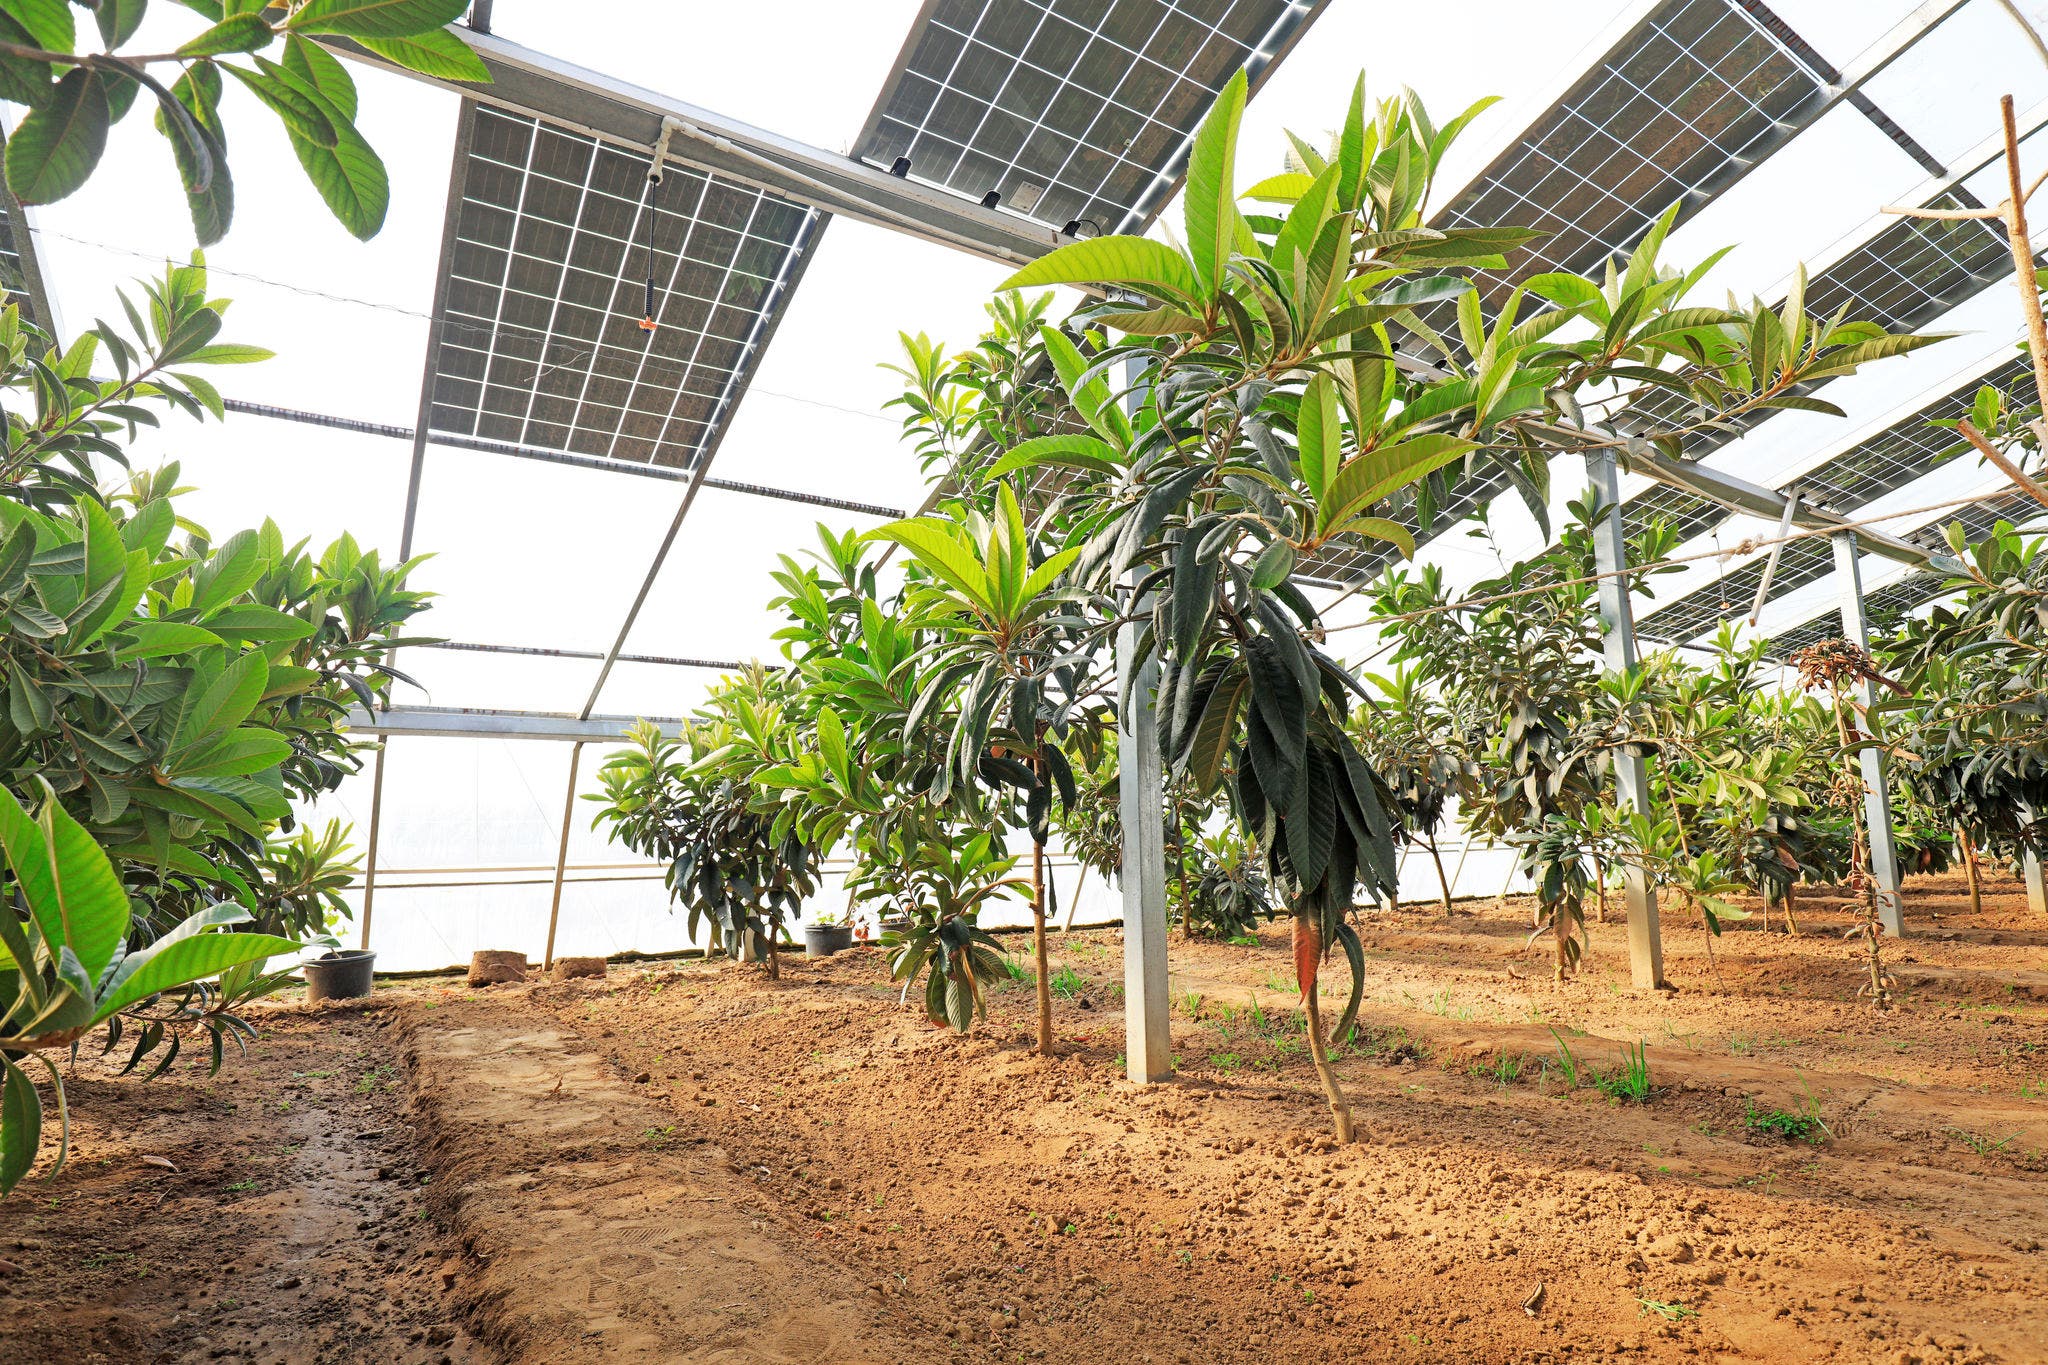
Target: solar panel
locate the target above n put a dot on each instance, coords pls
(1069, 109)
(1915, 270)
(1893, 600)
(1918, 589)
(1901, 452)
(1696, 94)
(540, 342)
(1802, 561)
(1684, 512)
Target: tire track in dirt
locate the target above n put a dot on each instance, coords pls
(597, 1227)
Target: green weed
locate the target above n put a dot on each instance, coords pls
(1980, 1143)
(1670, 1312)
(1631, 1080)
(1801, 1125)
(1567, 1062)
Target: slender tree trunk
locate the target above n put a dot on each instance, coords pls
(1791, 921)
(1340, 1108)
(1038, 948)
(774, 958)
(1600, 887)
(1561, 933)
(1441, 879)
(1970, 869)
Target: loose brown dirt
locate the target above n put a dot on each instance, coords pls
(293, 1230)
(692, 1163)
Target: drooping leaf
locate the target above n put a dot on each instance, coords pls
(57, 146)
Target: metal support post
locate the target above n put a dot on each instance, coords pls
(1877, 801)
(1141, 781)
(2030, 867)
(376, 825)
(1631, 774)
(547, 960)
(1148, 1037)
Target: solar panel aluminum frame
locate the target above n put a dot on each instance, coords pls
(1167, 175)
(580, 100)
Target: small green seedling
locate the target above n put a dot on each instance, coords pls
(1801, 1125)
(1567, 1063)
(1631, 1081)
(1670, 1312)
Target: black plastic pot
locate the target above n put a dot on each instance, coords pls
(893, 924)
(823, 940)
(345, 975)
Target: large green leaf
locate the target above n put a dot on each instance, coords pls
(1319, 434)
(54, 150)
(1090, 396)
(48, 23)
(1372, 475)
(169, 963)
(21, 1124)
(1210, 204)
(349, 175)
(236, 33)
(226, 702)
(437, 53)
(1071, 451)
(236, 754)
(376, 18)
(931, 542)
(70, 887)
(1140, 262)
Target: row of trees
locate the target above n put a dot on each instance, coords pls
(170, 699)
(1143, 485)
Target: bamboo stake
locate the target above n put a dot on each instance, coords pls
(2023, 254)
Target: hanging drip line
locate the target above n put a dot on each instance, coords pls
(647, 212)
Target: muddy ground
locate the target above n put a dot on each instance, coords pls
(687, 1162)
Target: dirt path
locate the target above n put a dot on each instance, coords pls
(291, 1229)
(600, 1229)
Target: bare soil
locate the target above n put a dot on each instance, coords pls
(289, 1227)
(689, 1162)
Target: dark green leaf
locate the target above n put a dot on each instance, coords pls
(59, 143)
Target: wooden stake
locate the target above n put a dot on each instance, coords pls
(1970, 868)
(2023, 254)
